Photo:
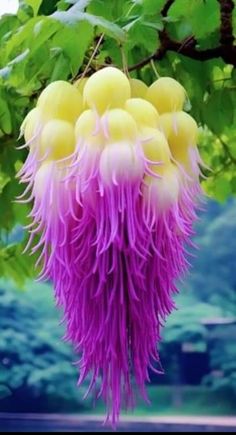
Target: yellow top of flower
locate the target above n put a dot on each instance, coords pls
(166, 94)
(57, 140)
(107, 88)
(143, 112)
(60, 100)
(138, 88)
(120, 125)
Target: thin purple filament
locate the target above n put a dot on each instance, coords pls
(114, 262)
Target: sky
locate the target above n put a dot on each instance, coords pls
(8, 6)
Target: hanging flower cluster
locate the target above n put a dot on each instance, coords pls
(113, 172)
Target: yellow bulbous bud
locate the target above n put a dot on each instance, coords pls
(87, 130)
(120, 126)
(166, 123)
(60, 100)
(42, 180)
(57, 140)
(85, 125)
(166, 94)
(184, 131)
(138, 88)
(183, 134)
(164, 191)
(156, 148)
(31, 123)
(143, 112)
(120, 163)
(106, 89)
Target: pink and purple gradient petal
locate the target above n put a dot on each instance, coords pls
(114, 253)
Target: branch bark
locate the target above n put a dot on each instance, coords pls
(226, 29)
(187, 47)
(166, 7)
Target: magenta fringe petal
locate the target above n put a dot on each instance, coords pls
(114, 261)
(111, 225)
(117, 288)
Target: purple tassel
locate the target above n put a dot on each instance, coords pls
(114, 255)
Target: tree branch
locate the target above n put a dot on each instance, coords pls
(166, 8)
(226, 28)
(187, 47)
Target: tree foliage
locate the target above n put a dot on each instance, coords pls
(34, 364)
(216, 278)
(50, 40)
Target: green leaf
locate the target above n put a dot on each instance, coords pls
(103, 9)
(142, 34)
(132, 24)
(5, 73)
(20, 58)
(199, 10)
(232, 146)
(233, 184)
(80, 4)
(16, 69)
(35, 5)
(72, 18)
(24, 12)
(5, 116)
(4, 179)
(179, 28)
(219, 110)
(106, 26)
(37, 69)
(151, 7)
(32, 35)
(74, 42)
(222, 188)
(110, 46)
(192, 20)
(7, 24)
(20, 37)
(157, 25)
(43, 31)
(61, 69)
(178, 9)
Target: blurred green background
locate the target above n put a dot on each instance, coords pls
(198, 350)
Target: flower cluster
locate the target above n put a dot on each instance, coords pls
(113, 172)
